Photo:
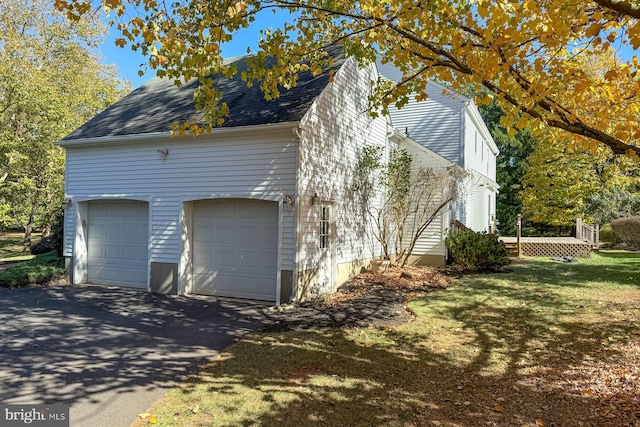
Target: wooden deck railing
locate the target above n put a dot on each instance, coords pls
(588, 233)
(457, 226)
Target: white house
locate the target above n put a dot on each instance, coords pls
(261, 208)
(450, 124)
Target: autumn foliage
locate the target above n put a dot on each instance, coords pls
(534, 56)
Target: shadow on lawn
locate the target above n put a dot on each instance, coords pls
(521, 363)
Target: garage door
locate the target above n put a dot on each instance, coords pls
(235, 251)
(117, 237)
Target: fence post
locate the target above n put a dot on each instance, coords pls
(597, 242)
(579, 228)
(519, 234)
(492, 227)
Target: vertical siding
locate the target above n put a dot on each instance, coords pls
(242, 166)
(333, 133)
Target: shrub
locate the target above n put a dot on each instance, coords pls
(42, 247)
(57, 232)
(607, 234)
(40, 269)
(627, 230)
(477, 251)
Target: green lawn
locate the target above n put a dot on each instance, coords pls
(545, 344)
(41, 269)
(11, 248)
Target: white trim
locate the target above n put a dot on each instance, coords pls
(397, 136)
(491, 185)
(126, 139)
(281, 209)
(474, 113)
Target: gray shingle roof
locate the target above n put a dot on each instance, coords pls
(157, 104)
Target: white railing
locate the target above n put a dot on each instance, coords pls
(588, 233)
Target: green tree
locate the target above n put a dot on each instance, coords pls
(529, 54)
(51, 81)
(511, 166)
(557, 181)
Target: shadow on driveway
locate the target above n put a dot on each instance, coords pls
(109, 352)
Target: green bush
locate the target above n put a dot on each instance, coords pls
(607, 234)
(40, 269)
(627, 230)
(57, 232)
(477, 251)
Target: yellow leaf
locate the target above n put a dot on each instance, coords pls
(539, 422)
(593, 30)
(153, 420)
(498, 408)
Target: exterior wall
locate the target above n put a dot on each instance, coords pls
(247, 163)
(434, 122)
(430, 248)
(450, 125)
(332, 134)
(480, 160)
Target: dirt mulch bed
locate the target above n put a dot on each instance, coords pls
(377, 300)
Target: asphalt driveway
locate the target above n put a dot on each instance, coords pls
(109, 352)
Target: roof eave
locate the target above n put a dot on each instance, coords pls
(143, 137)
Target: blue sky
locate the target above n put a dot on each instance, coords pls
(128, 61)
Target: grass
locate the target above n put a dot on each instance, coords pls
(11, 248)
(545, 344)
(41, 268)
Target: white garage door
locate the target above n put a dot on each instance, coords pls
(117, 236)
(235, 251)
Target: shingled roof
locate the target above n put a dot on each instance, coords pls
(157, 104)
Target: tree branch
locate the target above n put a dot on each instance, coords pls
(621, 6)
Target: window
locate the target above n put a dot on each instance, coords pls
(325, 217)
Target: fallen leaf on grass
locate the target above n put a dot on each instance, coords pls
(498, 408)
(539, 422)
(144, 415)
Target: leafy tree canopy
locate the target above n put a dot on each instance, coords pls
(51, 82)
(530, 54)
(560, 178)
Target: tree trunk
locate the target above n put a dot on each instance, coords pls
(28, 231)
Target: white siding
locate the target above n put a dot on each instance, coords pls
(435, 122)
(244, 165)
(474, 147)
(432, 240)
(333, 133)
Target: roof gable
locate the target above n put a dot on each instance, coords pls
(157, 104)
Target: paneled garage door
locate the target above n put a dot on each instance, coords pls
(235, 251)
(117, 235)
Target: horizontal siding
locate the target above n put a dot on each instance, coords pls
(477, 154)
(258, 167)
(333, 133)
(435, 122)
(431, 242)
(69, 231)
